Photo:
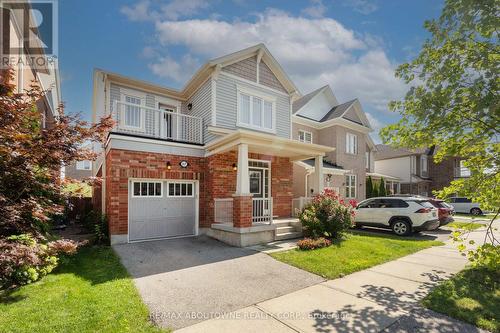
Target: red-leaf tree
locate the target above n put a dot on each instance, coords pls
(31, 157)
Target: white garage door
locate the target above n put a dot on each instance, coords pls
(161, 209)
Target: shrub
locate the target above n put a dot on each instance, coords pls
(25, 259)
(97, 224)
(311, 243)
(327, 215)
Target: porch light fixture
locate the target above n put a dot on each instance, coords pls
(235, 167)
(190, 106)
(329, 177)
(169, 166)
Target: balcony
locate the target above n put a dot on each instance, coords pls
(138, 120)
(462, 172)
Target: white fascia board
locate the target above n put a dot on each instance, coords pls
(329, 123)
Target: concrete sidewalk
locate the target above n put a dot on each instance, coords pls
(383, 298)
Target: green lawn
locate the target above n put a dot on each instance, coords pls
(90, 293)
(473, 295)
(464, 225)
(356, 252)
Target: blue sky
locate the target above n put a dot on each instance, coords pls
(353, 45)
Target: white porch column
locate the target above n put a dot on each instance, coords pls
(318, 173)
(242, 178)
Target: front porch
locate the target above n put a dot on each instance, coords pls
(258, 209)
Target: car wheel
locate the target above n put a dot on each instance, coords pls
(476, 211)
(401, 228)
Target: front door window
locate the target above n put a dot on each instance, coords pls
(256, 183)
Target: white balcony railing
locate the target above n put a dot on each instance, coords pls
(156, 123)
(262, 210)
(223, 210)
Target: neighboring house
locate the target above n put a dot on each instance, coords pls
(78, 170)
(215, 157)
(319, 118)
(44, 76)
(416, 169)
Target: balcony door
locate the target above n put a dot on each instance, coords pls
(168, 118)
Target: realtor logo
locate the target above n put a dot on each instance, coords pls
(28, 32)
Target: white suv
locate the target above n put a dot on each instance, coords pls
(401, 214)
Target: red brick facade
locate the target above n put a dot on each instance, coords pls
(215, 174)
(242, 211)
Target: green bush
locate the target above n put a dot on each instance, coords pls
(313, 243)
(327, 216)
(25, 259)
(97, 224)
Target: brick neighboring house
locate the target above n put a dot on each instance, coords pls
(417, 170)
(319, 118)
(215, 157)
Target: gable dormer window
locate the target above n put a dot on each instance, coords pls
(256, 110)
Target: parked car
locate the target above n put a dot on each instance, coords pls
(402, 214)
(445, 211)
(464, 205)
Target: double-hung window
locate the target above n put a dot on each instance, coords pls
(257, 112)
(351, 143)
(83, 165)
(132, 116)
(350, 186)
(305, 136)
(423, 165)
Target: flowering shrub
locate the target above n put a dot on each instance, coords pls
(311, 243)
(24, 259)
(327, 215)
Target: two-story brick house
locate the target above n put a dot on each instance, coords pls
(215, 157)
(319, 118)
(416, 169)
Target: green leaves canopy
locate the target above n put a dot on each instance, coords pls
(453, 100)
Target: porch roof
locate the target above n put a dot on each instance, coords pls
(267, 144)
(377, 175)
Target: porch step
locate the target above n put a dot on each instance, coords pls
(288, 235)
(282, 230)
(287, 223)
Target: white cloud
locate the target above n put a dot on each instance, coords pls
(361, 6)
(313, 51)
(179, 71)
(145, 10)
(376, 124)
(317, 9)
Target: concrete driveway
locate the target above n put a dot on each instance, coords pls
(189, 280)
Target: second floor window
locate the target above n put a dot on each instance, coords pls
(132, 116)
(83, 165)
(305, 136)
(351, 143)
(367, 160)
(255, 112)
(423, 165)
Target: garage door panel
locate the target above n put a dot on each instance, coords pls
(162, 217)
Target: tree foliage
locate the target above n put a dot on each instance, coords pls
(31, 158)
(381, 188)
(369, 187)
(453, 101)
(453, 104)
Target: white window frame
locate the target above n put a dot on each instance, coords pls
(80, 165)
(180, 182)
(424, 162)
(351, 187)
(265, 98)
(142, 118)
(348, 150)
(147, 181)
(367, 160)
(304, 134)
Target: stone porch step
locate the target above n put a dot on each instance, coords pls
(282, 230)
(286, 223)
(288, 235)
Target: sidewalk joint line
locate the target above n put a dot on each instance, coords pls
(278, 320)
